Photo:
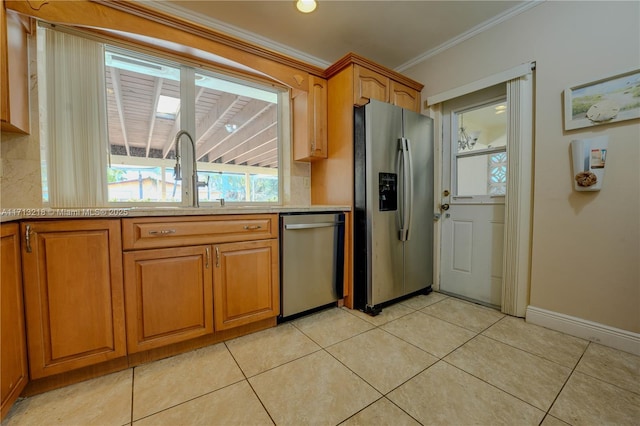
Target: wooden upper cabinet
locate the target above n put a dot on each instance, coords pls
(369, 85)
(371, 81)
(310, 121)
(169, 296)
(14, 72)
(73, 292)
(13, 356)
(404, 96)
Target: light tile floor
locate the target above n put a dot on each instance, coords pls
(432, 360)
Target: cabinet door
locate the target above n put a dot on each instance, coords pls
(310, 121)
(405, 97)
(318, 116)
(14, 72)
(245, 282)
(169, 296)
(73, 294)
(13, 356)
(369, 85)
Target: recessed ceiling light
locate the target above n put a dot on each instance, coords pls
(306, 6)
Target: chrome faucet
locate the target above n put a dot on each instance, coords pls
(194, 177)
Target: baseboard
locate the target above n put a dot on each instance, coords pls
(605, 335)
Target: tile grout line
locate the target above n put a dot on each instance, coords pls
(133, 384)
(383, 395)
(491, 384)
(548, 413)
(375, 326)
(195, 397)
(190, 400)
(600, 379)
(477, 333)
(458, 325)
(525, 350)
(246, 379)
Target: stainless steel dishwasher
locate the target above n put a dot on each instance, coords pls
(312, 260)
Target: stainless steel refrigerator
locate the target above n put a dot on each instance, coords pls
(393, 226)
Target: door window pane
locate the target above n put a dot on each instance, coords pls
(480, 161)
(497, 174)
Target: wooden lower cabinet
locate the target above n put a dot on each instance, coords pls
(92, 308)
(169, 296)
(13, 352)
(73, 294)
(246, 283)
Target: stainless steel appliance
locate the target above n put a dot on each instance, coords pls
(393, 227)
(312, 260)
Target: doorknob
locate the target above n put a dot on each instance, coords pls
(445, 207)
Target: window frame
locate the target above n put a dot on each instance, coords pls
(193, 66)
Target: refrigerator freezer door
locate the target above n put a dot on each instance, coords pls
(383, 123)
(418, 249)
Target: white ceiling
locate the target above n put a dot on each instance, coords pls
(395, 34)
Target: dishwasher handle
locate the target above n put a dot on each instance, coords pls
(294, 226)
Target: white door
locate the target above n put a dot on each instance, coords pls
(474, 187)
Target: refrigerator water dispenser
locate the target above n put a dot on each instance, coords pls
(388, 191)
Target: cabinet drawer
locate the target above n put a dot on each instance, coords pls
(142, 233)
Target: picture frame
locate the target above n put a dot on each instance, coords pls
(608, 100)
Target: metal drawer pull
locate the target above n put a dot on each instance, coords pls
(312, 225)
(27, 238)
(208, 255)
(251, 227)
(163, 232)
(217, 257)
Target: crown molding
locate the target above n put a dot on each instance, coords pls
(180, 12)
(508, 14)
(353, 58)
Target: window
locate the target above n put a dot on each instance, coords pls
(480, 155)
(146, 101)
(143, 115)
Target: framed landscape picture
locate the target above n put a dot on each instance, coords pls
(608, 100)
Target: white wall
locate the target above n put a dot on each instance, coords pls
(586, 246)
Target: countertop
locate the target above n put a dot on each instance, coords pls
(13, 214)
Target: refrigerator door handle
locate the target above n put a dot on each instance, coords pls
(406, 190)
(399, 169)
(409, 184)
